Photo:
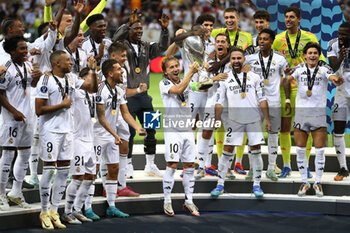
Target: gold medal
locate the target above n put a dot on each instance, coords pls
(183, 103)
(295, 62)
(114, 112)
(243, 95)
(137, 70)
(78, 169)
(93, 120)
(25, 91)
(266, 81)
(98, 68)
(309, 93)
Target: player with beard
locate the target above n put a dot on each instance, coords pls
(310, 112)
(17, 128)
(271, 65)
(111, 101)
(139, 54)
(245, 98)
(54, 99)
(339, 59)
(179, 141)
(221, 50)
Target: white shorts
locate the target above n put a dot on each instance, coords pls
(234, 133)
(341, 108)
(56, 146)
(106, 149)
(180, 146)
(197, 103)
(123, 129)
(84, 159)
(16, 134)
(309, 123)
(275, 119)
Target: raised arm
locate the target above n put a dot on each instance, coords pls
(97, 10)
(91, 83)
(78, 7)
(181, 87)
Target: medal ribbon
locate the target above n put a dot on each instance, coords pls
(265, 71)
(181, 96)
(311, 80)
(244, 84)
(23, 77)
(65, 90)
(77, 60)
(114, 95)
(293, 53)
(94, 49)
(236, 38)
(136, 57)
(91, 104)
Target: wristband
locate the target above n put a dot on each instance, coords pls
(194, 86)
(287, 101)
(138, 90)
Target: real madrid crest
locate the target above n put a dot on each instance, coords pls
(171, 156)
(11, 140)
(49, 156)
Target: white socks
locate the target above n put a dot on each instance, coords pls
(225, 161)
(103, 173)
(339, 145)
(5, 165)
(123, 162)
(34, 158)
(111, 191)
(90, 196)
(45, 187)
(20, 169)
(82, 194)
(257, 166)
(188, 183)
(59, 186)
(272, 148)
(302, 163)
(149, 160)
(203, 148)
(71, 193)
(168, 183)
(320, 160)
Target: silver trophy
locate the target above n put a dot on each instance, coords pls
(195, 51)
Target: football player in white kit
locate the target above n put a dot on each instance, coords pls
(221, 50)
(310, 112)
(245, 97)
(96, 44)
(54, 99)
(117, 51)
(204, 27)
(83, 167)
(339, 59)
(270, 65)
(17, 119)
(110, 98)
(179, 141)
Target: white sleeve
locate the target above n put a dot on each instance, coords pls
(165, 86)
(5, 81)
(49, 42)
(42, 88)
(331, 48)
(221, 93)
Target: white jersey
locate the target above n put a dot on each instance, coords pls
(60, 121)
(78, 58)
(4, 56)
(278, 64)
(209, 48)
(314, 105)
(212, 91)
(45, 46)
(344, 69)
(174, 111)
(83, 126)
(243, 110)
(91, 48)
(104, 96)
(15, 94)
